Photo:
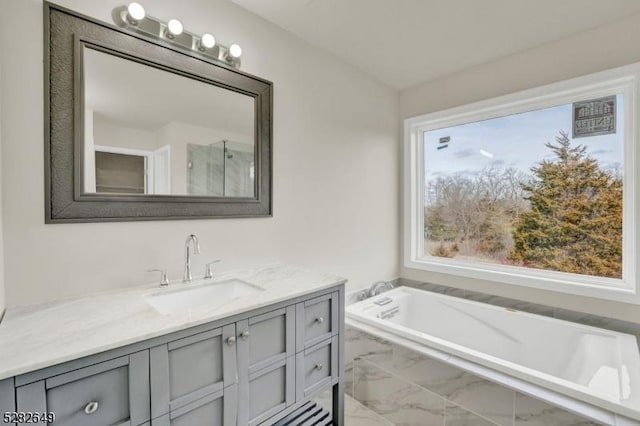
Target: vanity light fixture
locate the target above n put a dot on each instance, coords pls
(235, 51)
(207, 41)
(135, 18)
(135, 13)
(233, 54)
(174, 28)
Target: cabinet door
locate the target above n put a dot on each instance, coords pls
(114, 392)
(194, 375)
(215, 409)
(266, 360)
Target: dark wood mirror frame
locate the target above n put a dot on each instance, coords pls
(66, 34)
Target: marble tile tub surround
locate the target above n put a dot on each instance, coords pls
(410, 388)
(39, 337)
(534, 308)
(533, 412)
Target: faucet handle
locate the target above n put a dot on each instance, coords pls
(209, 270)
(164, 279)
(379, 287)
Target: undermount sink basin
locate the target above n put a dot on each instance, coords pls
(208, 294)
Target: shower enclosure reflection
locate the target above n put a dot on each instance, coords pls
(221, 169)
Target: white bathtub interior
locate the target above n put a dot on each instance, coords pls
(592, 364)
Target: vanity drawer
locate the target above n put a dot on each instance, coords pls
(114, 392)
(316, 368)
(316, 320)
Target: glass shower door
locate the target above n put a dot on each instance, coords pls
(205, 169)
(238, 170)
(221, 169)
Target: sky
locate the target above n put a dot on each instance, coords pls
(514, 141)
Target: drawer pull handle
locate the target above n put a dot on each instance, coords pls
(91, 407)
(319, 320)
(231, 341)
(244, 335)
(318, 367)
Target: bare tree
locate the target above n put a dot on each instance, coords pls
(475, 211)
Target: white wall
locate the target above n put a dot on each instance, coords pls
(336, 156)
(107, 133)
(596, 50)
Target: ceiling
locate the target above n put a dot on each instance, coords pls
(406, 42)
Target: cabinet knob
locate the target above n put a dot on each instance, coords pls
(318, 367)
(231, 341)
(244, 335)
(91, 407)
(319, 320)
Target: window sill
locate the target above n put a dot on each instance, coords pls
(587, 286)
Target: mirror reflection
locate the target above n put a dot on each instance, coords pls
(150, 131)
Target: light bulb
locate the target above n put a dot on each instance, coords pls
(235, 51)
(208, 41)
(175, 27)
(136, 11)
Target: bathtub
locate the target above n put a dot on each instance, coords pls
(592, 365)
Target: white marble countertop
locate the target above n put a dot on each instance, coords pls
(41, 336)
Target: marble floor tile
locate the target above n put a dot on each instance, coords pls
(458, 416)
(325, 399)
(397, 400)
(355, 414)
(533, 412)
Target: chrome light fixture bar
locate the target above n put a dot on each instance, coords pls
(135, 18)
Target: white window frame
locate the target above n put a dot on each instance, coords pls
(624, 80)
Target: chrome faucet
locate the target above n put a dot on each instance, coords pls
(191, 239)
(379, 287)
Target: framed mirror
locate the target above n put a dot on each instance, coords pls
(139, 129)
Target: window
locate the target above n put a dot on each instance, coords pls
(534, 188)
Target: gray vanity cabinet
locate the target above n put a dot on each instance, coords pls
(253, 369)
(115, 392)
(266, 365)
(193, 379)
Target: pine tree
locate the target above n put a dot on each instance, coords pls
(575, 219)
